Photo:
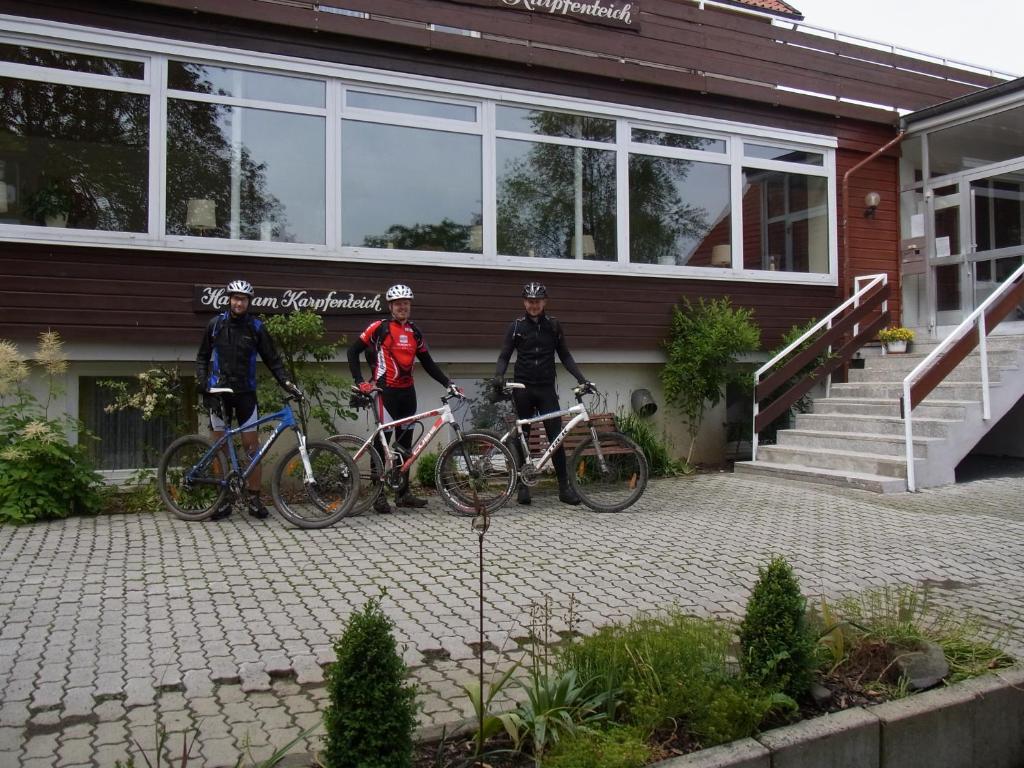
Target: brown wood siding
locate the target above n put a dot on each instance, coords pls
(679, 47)
(145, 297)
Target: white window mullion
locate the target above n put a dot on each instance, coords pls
(489, 157)
(622, 135)
(736, 192)
(157, 223)
(332, 159)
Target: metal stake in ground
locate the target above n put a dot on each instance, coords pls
(480, 524)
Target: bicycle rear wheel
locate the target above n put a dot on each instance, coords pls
(619, 483)
(371, 470)
(329, 497)
(190, 487)
(476, 473)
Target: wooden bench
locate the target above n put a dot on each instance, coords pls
(538, 441)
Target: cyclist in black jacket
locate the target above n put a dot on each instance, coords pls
(227, 358)
(535, 338)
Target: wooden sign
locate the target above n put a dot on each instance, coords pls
(278, 301)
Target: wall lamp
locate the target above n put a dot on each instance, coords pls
(871, 201)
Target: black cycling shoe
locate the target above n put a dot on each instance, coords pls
(567, 495)
(523, 494)
(381, 506)
(257, 510)
(224, 510)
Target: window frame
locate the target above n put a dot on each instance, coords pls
(338, 78)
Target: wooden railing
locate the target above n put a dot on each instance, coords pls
(841, 326)
(933, 370)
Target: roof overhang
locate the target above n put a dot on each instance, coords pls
(996, 97)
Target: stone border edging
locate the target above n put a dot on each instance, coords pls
(978, 723)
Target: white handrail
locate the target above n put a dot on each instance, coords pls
(978, 315)
(853, 301)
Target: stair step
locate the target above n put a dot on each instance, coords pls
(860, 480)
(858, 442)
(959, 390)
(867, 406)
(959, 374)
(877, 425)
(853, 461)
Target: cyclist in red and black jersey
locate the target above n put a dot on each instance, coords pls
(395, 344)
(536, 338)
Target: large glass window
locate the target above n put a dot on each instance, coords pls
(679, 212)
(555, 201)
(411, 188)
(244, 84)
(70, 61)
(785, 221)
(247, 174)
(975, 143)
(541, 122)
(73, 157)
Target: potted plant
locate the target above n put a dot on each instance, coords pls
(895, 338)
(50, 204)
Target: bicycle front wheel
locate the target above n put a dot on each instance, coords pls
(190, 481)
(474, 474)
(613, 480)
(371, 470)
(326, 497)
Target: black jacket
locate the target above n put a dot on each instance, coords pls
(535, 343)
(227, 354)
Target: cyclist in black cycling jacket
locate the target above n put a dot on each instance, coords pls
(227, 358)
(535, 338)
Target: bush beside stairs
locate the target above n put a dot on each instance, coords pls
(855, 437)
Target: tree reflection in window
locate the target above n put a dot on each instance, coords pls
(244, 164)
(555, 201)
(72, 156)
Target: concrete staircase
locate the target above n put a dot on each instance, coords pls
(855, 437)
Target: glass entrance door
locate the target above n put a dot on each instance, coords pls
(997, 230)
(947, 256)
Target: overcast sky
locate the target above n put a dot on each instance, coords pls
(988, 33)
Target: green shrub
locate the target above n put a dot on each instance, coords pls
(426, 465)
(372, 710)
(616, 747)
(703, 346)
(659, 460)
(670, 668)
(300, 338)
(777, 649)
(42, 476)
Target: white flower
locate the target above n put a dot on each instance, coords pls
(51, 353)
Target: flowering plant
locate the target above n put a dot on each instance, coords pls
(895, 333)
(156, 392)
(42, 475)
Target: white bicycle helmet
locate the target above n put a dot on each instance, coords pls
(240, 286)
(534, 291)
(396, 292)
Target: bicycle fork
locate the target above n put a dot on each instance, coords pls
(306, 465)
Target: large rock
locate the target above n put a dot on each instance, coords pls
(925, 668)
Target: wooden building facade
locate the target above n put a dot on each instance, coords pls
(626, 154)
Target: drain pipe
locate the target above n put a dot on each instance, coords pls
(846, 208)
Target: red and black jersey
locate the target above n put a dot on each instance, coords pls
(394, 348)
(397, 346)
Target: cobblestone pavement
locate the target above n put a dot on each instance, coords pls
(110, 626)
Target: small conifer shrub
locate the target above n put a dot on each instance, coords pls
(777, 649)
(370, 719)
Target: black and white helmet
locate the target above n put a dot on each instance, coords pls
(534, 291)
(240, 286)
(396, 292)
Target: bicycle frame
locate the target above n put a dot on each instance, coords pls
(286, 420)
(580, 415)
(444, 416)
